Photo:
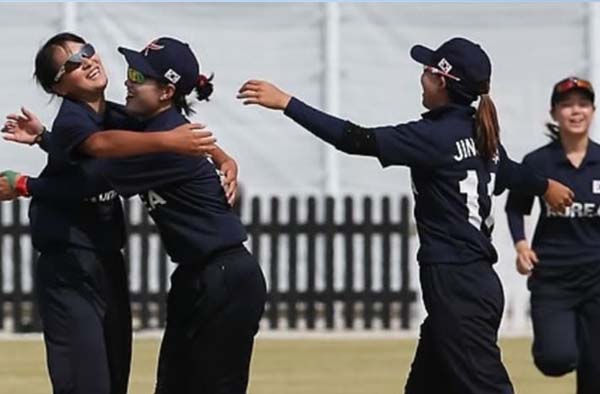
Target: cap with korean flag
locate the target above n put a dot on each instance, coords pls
(166, 59)
(459, 59)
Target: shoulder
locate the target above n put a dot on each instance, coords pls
(542, 153)
(72, 113)
(116, 116)
(440, 131)
(594, 149)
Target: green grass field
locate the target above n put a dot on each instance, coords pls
(377, 366)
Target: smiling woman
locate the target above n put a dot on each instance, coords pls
(562, 262)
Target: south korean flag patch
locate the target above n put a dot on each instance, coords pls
(172, 76)
(444, 65)
(596, 186)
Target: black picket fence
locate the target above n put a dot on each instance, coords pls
(325, 268)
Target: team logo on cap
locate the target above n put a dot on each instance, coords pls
(152, 46)
(172, 76)
(444, 65)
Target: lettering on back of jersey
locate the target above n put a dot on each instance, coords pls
(104, 197)
(152, 199)
(577, 210)
(465, 148)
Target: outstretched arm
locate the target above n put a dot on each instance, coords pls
(411, 144)
(188, 139)
(342, 134)
(75, 186)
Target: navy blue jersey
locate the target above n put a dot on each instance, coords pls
(566, 238)
(95, 223)
(183, 195)
(453, 186)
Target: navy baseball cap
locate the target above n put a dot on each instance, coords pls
(166, 59)
(569, 84)
(460, 59)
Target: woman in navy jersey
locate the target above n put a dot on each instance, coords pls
(563, 261)
(457, 164)
(218, 290)
(81, 283)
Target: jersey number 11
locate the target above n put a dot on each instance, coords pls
(469, 186)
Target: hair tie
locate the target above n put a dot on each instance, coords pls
(202, 80)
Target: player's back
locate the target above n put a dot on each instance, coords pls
(452, 184)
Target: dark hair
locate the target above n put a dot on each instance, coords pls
(487, 128)
(45, 66)
(204, 88)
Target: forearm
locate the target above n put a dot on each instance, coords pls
(326, 127)
(64, 188)
(519, 177)
(516, 225)
(220, 157)
(120, 143)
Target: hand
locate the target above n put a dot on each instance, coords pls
(192, 139)
(229, 174)
(6, 192)
(558, 196)
(23, 128)
(526, 258)
(8, 182)
(263, 93)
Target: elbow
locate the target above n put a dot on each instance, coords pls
(357, 140)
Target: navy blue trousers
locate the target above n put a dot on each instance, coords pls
(213, 312)
(86, 317)
(457, 351)
(565, 310)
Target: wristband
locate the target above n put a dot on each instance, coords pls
(40, 136)
(21, 186)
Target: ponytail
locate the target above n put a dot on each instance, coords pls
(487, 129)
(487, 135)
(203, 89)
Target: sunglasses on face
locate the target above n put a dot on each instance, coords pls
(75, 60)
(135, 76)
(574, 83)
(437, 71)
